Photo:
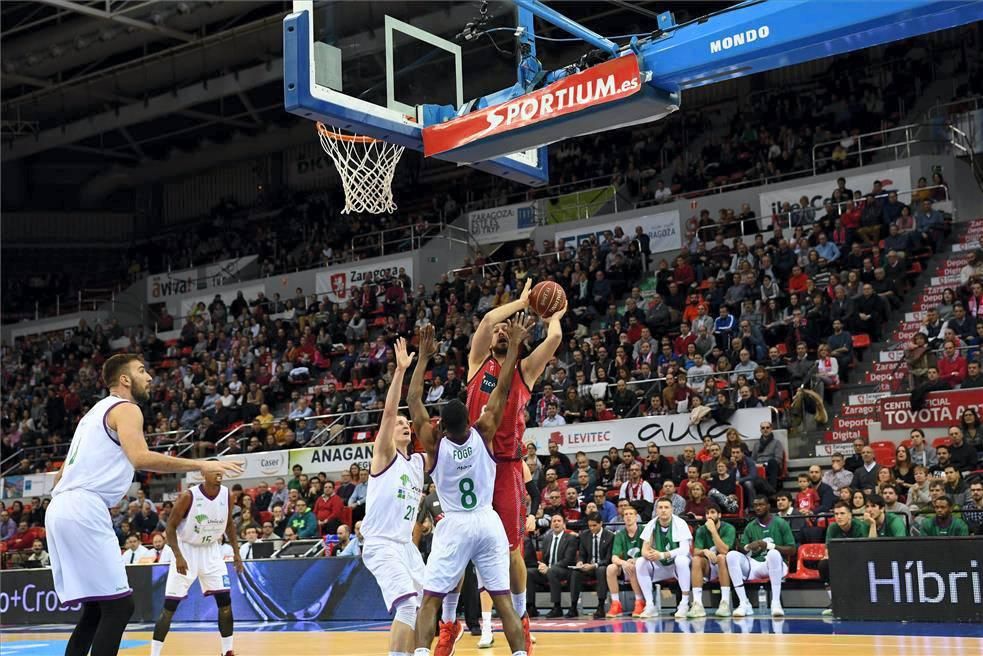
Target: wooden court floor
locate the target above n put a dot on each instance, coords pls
(565, 643)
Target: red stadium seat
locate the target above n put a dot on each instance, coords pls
(883, 453)
(265, 516)
(808, 552)
(941, 441)
(861, 341)
(346, 517)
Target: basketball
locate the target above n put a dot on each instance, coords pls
(546, 298)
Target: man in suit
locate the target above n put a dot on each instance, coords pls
(559, 553)
(593, 558)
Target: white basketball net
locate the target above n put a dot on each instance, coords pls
(366, 167)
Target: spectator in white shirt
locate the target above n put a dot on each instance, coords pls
(246, 548)
(134, 550)
(553, 418)
(436, 391)
(161, 552)
(636, 488)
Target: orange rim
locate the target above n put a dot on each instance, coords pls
(325, 131)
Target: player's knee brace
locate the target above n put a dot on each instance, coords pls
(170, 605)
(223, 599)
(406, 612)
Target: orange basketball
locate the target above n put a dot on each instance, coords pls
(546, 298)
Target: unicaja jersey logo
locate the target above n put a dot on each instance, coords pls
(739, 39)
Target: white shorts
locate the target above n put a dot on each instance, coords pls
(753, 570)
(397, 568)
(205, 564)
(462, 537)
(85, 553)
(655, 570)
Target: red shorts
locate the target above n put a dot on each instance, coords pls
(509, 501)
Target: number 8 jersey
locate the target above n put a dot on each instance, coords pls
(464, 474)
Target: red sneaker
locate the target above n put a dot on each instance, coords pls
(527, 634)
(450, 634)
(639, 607)
(616, 610)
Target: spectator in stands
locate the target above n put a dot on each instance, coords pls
(952, 366)
(929, 222)
(955, 487)
(328, 510)
(349, 545)
(347, 487)
(768, 451)
(972, 510)
(865, 476)
(921, 452)
(943, 523)
(280, 494)
(962, 454)
(8, 527)
(303, 521)
(357, 500)
(146, 520)
(134, 550)
(38, 556)
(920, 494)
(251, 535)
(263, 497)
(607, 510)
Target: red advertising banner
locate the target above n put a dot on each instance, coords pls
(613, 80)
(866, 410)
(941, 409)
(847, 435)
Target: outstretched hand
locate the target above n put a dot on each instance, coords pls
(518, 328)
(556, 316)
(428, 342)
(403, 359)
(526, 289)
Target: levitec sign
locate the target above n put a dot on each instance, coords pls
(662, 230)
(665, 431)
(896, 579)
(336, 283)
(941, 409)
(500, 224)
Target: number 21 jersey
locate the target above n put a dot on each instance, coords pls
(393, 499)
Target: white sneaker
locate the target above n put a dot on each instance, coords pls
(681, 610)
(697, 610)
(723, 610)
(828, 612)
(649, 612)
(743, 610)
(486, 640)
(776, 609)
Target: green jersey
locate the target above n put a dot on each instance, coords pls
(626, 547)
(930, 527)
(777, 529)
(703, 539)
(858, 529)
(893, 527)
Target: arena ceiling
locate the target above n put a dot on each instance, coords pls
(97, 82)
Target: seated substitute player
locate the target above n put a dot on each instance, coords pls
(765, 544)
(463, 468)
(666, 541)
(882, 523)
(392, 499)
(943, 523)
(200, 517)
(845, 525)
(711, 544)
(625, 552)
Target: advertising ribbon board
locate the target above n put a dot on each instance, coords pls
(336, 282)
(941, 409)
(666, 431)
(256, 465)
(662, 230)
(332, 459)
(500, 224)
(817, 193)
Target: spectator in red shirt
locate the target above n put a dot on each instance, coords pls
(807, 499)
(798, 282)
(572, 511)
(952, 366)
(601, 412)
(693, 478)
(850, 218)
(327, 510)
(684, 274)
(681, 343)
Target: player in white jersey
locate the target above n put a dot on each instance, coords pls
(463, 467)
(201, 516)
(107, 446)
(392, 501)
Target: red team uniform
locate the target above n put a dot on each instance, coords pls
(510, 488)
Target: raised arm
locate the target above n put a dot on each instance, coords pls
(127, 420)
(385, 445)
(482, 338)
(535, 363)
(491, 417)
(414, 397)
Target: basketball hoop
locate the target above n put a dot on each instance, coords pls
(366, 167)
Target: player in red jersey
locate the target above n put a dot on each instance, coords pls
(489, 346)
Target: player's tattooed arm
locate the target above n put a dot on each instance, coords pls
(535, 363)
(481, 341)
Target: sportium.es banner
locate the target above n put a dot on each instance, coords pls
(941, 409)
(611, 81)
